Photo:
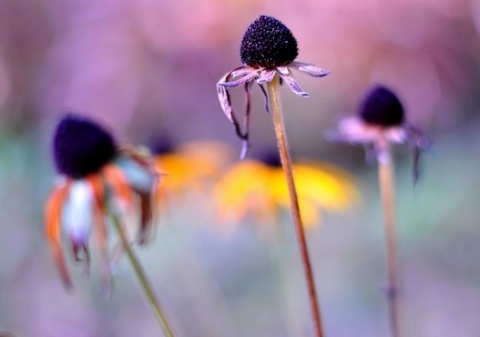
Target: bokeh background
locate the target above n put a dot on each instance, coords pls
(147, 69)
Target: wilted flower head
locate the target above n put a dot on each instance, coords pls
(96, 178)
(268, 49)
(257, 187)
(380, 121)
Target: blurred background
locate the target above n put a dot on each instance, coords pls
(147, 69)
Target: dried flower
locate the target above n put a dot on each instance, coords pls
(380, 121)
(96, 178)
(268, 48)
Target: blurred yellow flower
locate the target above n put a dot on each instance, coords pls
(189, 168)
(252, 187)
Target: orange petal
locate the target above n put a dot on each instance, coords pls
(53, 221)
(119, 184)
(100, 228)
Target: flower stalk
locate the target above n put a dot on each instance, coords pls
(142, 278)
(276, 111)
(386, 176)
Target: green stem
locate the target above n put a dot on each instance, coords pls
(142, 277)
(275, 107)
(386, 182)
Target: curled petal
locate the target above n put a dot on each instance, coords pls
(309, 69)
(266, 76)
(224, 99)
(53, 221)
(78, 218)
(287, 76)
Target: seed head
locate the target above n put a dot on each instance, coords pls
(81, 147)
(382, 107)
(268, 43)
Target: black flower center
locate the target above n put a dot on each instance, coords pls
(382, 107)
(268, 43)
(81, 146)
(270, 158)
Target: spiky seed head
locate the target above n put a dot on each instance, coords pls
(268, 43)
(81, 146)
(382, 107)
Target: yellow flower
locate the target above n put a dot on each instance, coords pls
(96, 179)
(252, 187)
(189, 168)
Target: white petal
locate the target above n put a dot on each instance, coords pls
(287, 76)
(139, 177)
(310, 69)
(78, 212)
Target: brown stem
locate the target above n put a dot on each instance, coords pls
(275, 106)
(386, 182)
(143, 279)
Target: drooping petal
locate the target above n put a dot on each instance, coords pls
(78, 218)
(266, 75)
(53, 221)
(265, 96)
(354, 130)
(224, 99)
(143, 181)
(287, 76)
(309, 69)
(225, 102)
(118, 183)
(420, 142)
(100, 228)
(247, 77)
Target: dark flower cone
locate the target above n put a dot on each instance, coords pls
(382, 107)
(268, 43)
(81, 147)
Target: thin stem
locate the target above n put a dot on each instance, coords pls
(143, 279)
(386, 182)
(274, 100)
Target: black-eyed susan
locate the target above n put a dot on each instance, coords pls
(258, 188)
(268, 49)
(96, 179)
(100, 183)
(379, 123)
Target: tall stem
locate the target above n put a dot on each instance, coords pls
(276, 110)
(143, 279)
(386, 182)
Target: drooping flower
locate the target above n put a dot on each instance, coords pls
(257, 188)
(268, 48)
(381, 121)
(97, 178)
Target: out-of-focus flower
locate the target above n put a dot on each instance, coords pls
(188, 168)
(97, 179)
(258, 188)
(268, 48)
(381, 121)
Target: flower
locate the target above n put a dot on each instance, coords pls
(268, 48)
(188, 167)
(379, 122)
(97, 179)
(258, 188)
